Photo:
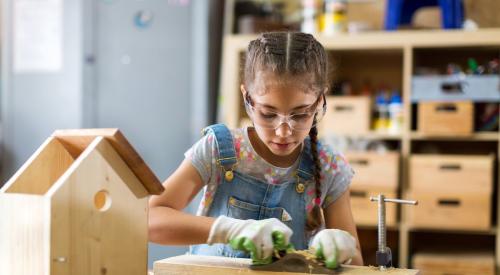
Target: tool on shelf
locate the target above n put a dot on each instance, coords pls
(384, 256)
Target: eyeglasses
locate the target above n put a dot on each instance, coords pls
(305, 119)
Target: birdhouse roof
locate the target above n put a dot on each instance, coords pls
(75, 141)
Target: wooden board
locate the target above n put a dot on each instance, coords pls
(24, 246)
(77, 140)
(213, 265)
(41, 170)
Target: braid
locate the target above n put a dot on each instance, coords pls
(315, 218)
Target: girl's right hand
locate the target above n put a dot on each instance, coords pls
(259, 238)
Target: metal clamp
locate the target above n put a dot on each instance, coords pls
(384, 255)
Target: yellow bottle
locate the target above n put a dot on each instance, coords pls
(335, 17)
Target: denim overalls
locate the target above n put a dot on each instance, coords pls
(245, 197)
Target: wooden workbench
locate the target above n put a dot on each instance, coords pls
(211, 265)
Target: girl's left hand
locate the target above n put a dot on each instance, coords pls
(335, 246)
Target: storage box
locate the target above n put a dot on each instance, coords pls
(452, 172)
(450, 210)
(374, 170)
(446, 118)
(477, 88)
(365, 212)
(454, 263)
(346, 115)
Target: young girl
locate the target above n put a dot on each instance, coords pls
(270, 186)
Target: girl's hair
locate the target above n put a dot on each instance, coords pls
(292, 54)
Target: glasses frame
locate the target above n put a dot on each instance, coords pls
(288, 118)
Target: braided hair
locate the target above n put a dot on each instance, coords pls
(315, 218)
(293, 54)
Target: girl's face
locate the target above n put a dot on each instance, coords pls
(286, 98)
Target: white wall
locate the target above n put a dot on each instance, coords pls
(149, 82)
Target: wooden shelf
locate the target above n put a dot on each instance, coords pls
(371, 136)
(491, 231)
(375, 227)
(377, 40)
(478, 136)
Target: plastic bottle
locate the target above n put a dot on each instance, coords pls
(309, 13)
(395, 114)
(335, 17)
(381, 113)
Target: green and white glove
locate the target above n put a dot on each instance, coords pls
(258, 237)
(334, 246)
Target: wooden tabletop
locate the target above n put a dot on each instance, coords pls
(213, 265)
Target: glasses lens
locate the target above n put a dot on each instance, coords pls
(266, 118)
(272, 120)
(302, 121)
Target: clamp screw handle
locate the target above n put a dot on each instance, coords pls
(384, 255)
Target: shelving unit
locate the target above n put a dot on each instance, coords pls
(398, 53)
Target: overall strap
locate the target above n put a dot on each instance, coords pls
(306, 164)
(224, 141)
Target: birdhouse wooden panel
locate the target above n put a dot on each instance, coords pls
(77, 206)
(216, 265)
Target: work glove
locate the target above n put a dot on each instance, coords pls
(334, 246)
(257, 237)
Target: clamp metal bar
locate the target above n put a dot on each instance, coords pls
(383, 254)
(395, 200)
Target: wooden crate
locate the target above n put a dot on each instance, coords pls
(454, 263)
(346, 115)
(374, 170)
(365, 212)
(456, 210)
(452, 172)
(446, 118)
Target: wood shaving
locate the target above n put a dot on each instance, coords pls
(309, 255)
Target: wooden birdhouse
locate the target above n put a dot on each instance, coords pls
(78, 206)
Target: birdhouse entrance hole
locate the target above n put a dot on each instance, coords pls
(102, 200)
